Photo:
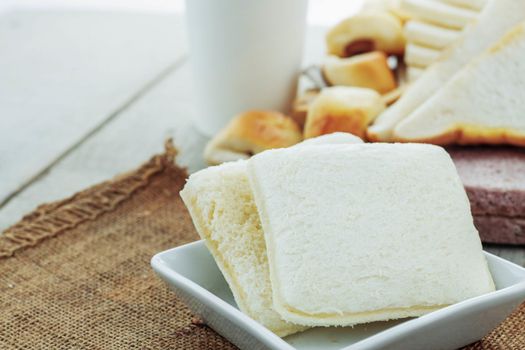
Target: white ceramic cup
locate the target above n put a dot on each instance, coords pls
(245, 54)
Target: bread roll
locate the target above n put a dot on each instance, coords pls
(366, 32)
(341, 108)
(250, 133)
(368, 70)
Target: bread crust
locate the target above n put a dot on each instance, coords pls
(343, 109)
(369, 70)
(250, 133)
(468, 135)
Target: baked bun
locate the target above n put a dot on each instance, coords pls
(341, 108)
(301, 105)
(366, 32)
(250, 133)
(369, 70)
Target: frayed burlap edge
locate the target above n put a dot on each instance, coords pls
(49, 220)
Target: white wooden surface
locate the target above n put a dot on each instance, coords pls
(63, 74)
(95, 95)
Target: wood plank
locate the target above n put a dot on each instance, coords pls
(132, 137)
(123, 144)
(64, 73)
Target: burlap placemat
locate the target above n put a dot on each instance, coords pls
(75, 274)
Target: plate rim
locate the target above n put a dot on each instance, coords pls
(269, 338)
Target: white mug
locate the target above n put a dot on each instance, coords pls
(245, 54)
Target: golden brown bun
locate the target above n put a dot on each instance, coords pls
(250, 133)
(368, 70)
(301, 105)
(366, 32)
(345, 109)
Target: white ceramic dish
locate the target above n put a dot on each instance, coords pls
(192, 273)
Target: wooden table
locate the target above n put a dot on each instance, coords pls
(87, 95)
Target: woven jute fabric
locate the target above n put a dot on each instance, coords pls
(75, 274)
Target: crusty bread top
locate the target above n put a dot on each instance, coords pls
(368, 70)
(249, 133)
(343, 108)
(366, 227)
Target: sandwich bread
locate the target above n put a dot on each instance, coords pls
(483, 103)
(366, 232)
(497, 17)
(221, 205)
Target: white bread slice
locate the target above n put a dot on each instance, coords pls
(221, 205)
(497, 17)
(483, 103)
(439, 13)
(476, 5)
(420, 56)
(429, 35)
(367, 232)
(413, 73)
(331, 139)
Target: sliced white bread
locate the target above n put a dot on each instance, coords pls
(331, 139)
(360, 233)
(221, 205)
(439, 13)
(368, 70)
(420, 56)
(343, 108)
(414, 73)
(497, 17)
(429, 35)
(483, 103)
(476, 5)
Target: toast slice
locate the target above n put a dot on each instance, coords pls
(221, 205)
(220, 202)
(483, 103)
(366, 232)
(497, 17)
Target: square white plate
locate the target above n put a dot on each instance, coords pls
(192, 273)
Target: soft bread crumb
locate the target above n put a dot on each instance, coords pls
(221, 205)
(366, 232)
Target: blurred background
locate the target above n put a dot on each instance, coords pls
(321, 12)
(91, 88)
